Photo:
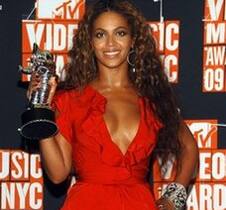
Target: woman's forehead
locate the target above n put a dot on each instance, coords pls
(110, 20)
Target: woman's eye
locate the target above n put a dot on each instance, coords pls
(99, 34)
(121, 33)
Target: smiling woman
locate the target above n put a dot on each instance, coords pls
(111, 40)
(115, 111)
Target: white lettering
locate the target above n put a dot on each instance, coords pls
(215, 9)
(35, 35)
(204, 173)
(171, 43)
(59, 37)
(22, 192)
(4, 172)
(7, 197)
(218, 165)
(35, 189)
(215, 33)
(169, 62)
(35, 169)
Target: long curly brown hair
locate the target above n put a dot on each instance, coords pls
(149, 78)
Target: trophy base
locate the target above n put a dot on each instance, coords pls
(38, 123)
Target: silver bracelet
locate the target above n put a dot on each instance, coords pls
(177, 194)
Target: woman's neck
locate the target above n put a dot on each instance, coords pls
(113, 77)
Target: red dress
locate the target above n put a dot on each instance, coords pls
(107, 178)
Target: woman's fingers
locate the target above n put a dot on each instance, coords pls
(53, 85)
(164, 204)
(35, 84)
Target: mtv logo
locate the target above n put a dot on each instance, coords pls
(60, 9)
(205, 132)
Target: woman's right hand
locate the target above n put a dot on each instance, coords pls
(164, 204)
(35, 85)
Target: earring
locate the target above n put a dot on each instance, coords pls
(131, 54)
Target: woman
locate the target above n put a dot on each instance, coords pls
(115, 111)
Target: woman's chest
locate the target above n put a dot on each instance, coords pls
(122, 119)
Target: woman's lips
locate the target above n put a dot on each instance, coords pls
(111, 53)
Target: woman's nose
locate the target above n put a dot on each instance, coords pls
(110, 40)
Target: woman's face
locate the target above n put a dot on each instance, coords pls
(111, 40)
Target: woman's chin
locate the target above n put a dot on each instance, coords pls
(112, 64)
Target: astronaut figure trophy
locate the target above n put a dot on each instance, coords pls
(38, 121)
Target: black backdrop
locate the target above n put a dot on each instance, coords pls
(194, 103)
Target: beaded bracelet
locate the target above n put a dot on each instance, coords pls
(177, 194)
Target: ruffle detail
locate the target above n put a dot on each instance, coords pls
(138, 150)
(147, 136)
(94, 126)
(142, 147)
(96, 107)
(61, 103)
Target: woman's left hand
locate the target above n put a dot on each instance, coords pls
(164, 204)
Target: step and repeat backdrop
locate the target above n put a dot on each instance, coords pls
(191, 38)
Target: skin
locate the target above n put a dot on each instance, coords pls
(111, 43)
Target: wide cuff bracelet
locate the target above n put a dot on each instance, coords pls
(177, 194)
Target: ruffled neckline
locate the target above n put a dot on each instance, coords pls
(94, 126)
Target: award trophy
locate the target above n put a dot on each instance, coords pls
(38, 121)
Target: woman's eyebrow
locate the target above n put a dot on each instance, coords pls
(119, 27)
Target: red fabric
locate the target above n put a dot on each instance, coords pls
(107, 178)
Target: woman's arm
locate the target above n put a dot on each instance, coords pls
(56, 154)
(56, 151)
(189, 156)
(189, 163)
